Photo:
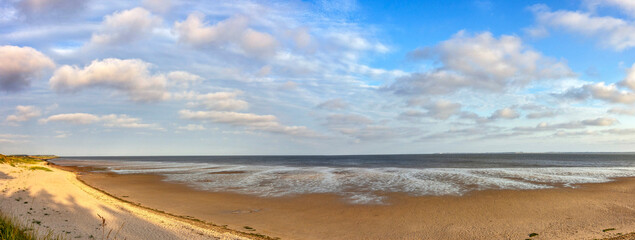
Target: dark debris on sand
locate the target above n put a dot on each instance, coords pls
(628, 236)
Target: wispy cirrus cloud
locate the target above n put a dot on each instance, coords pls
(109, 120)
(250, 121)
(612, 32)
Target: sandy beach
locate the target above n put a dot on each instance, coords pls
(566, 213)
(56, 203)
(60, 202)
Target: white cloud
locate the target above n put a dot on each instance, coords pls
(442, 109)
(544, 126)
(125, 26)
(351, 40)
(609, 93)
(74, 118)
(339, 120)
(62, 134)
(266, 123)
(183, 79)
(626, 6)
(622, 111)
(505, 113)
(613, 32)
(629, 81)
(13, 138)
(192, 127)
(131, 76)
(24, 113)
(19, 66)
(480, 62)
(110, 120)
(228, 34)
(374, 132)
(124, 121)
(600, 122)
(220, 101)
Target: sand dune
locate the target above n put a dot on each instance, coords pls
(58, 203)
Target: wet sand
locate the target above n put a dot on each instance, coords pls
(564, 213)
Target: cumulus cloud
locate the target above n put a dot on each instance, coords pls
(442, 109)
(24, 113)
(613, 32)
(266, 123)
(229, 34)
(110, 120)
(479, 62)
(333, 104)
(130, 76)
(125, 26)
(505, 113)
(609, 93)
(19, 66)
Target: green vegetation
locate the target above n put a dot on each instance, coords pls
(23, 159)
(9, 230)
(608, 229)
(40, 168)
(249, 228)
(533, 234)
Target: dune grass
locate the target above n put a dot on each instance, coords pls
(23, 159)
(9, 230)
(40, 168)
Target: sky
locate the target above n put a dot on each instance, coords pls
(177, 77)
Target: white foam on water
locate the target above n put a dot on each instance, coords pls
(365, 185)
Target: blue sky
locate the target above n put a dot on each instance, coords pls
(169, 77)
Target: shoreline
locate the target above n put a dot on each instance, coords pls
(188, 219)
(320, 216)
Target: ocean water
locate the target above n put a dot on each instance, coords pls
(365, 179)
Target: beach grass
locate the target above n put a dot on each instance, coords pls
(24, 159)
(40, 168)
(9, 230)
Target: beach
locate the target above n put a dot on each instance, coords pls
(56, 204)
(143, 206)
(580, 213)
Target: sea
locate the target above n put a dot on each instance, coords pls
(365, 179)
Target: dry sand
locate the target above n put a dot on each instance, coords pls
(580, 213)
(58, 203)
